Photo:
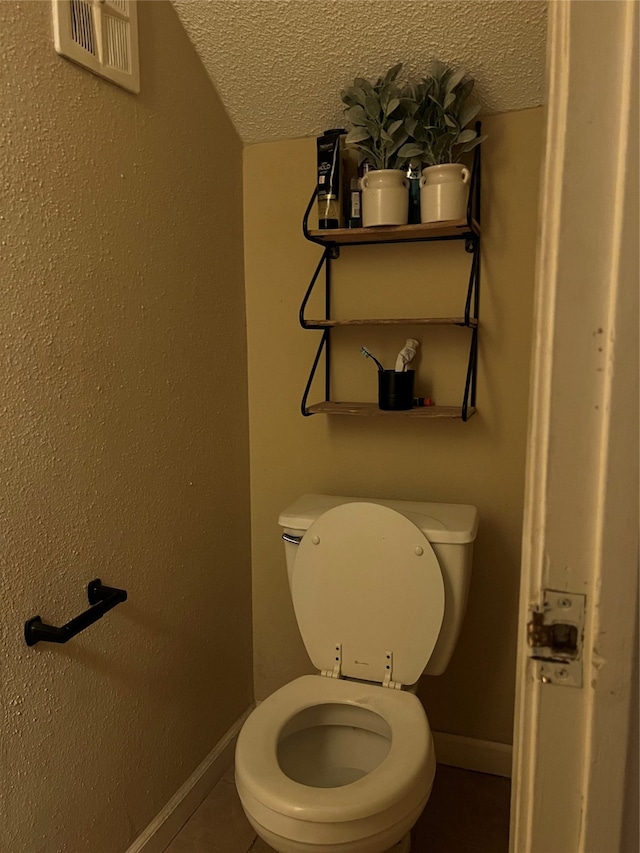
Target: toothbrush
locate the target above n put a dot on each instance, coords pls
(366, 353)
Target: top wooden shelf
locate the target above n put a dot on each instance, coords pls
(451, 229)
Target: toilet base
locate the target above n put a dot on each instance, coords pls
(403, 846)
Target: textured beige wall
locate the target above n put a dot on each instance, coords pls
(480, 462)
(124, 433)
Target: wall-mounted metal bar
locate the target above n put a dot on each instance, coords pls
(327, 315)
(303, 322)
(102, 598)
(473, 287)
(473, 202)
(305, 218)
(470, 382)
(314, 367)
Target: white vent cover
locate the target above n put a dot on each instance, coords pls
(101, 35)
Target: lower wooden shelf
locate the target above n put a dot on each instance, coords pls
(372, 410)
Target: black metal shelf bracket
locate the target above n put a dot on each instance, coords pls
(472, 304)
(101, 598)
(303, 405)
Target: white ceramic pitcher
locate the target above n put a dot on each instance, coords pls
(444, 191)
(385, 197)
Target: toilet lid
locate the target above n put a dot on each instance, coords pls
(366, 581)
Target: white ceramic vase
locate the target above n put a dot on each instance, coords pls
(444, 191)
(385, 197)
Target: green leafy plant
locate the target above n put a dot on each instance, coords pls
(376, 113)
(437, 119)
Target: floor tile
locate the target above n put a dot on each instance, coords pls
(217, 826)
(260, 846)
(467, 813)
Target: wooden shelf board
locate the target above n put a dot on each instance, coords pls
(400, 233)
(386, 321)
(372, 410)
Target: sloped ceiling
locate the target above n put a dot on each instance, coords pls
(279, 65)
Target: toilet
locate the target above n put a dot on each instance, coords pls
(343, 761)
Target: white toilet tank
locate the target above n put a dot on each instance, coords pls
(451, 530)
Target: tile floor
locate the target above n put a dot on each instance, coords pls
(467, 813)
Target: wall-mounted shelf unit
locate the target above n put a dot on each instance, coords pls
(467, 230)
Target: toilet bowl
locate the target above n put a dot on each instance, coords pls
(328, 765)
(343, 761)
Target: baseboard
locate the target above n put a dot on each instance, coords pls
(168, 822)
(484, 756)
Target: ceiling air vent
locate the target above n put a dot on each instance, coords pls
(101, 35)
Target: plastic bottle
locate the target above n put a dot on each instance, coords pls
(355, 216)
(329, 178)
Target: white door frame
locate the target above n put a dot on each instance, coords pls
(581, 508)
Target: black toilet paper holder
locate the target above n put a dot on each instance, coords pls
(101, 598)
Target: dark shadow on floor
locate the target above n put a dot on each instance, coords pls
(467, 813)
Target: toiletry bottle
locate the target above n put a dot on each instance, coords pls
(329, 147)
(413, 174)
(355, 217)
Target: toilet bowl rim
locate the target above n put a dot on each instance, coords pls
(407, 766)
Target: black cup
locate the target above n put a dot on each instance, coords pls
(395, 389)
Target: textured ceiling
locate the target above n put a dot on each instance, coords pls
(279, 65)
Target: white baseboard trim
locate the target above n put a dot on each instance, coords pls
(484, 756)
(172, 817)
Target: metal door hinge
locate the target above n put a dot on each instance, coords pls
(555, 637)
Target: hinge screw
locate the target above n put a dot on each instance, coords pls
(565, 603)
(561, 673)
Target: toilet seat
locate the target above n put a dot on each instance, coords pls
(367, 584)
(405, 774)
